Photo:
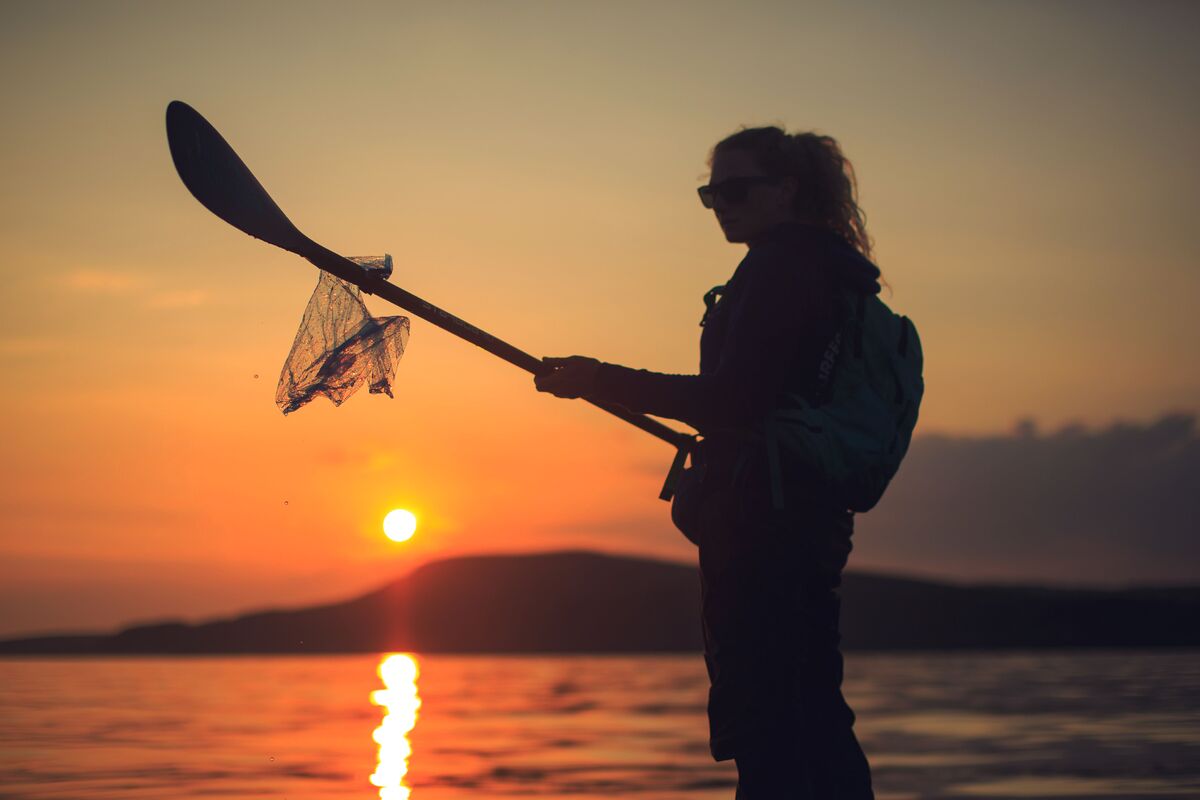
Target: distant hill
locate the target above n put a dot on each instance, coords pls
(588, 602)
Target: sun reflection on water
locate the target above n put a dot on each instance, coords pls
(400, 701)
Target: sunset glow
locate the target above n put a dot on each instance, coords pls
(792, 397)
(1031, 215)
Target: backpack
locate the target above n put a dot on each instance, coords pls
(852, 432)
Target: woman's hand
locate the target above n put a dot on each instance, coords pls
(570, 377)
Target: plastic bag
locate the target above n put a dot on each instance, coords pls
(340, 346)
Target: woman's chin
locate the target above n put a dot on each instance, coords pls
(733, 235)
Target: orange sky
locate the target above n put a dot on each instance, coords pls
(1029, 173)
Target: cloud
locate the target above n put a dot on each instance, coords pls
(94, 281)
(123, 284)
(1114, 505)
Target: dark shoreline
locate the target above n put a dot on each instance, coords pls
(591, 603)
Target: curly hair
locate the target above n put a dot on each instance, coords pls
(827, 193)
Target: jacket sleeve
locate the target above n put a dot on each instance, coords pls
(781, 311)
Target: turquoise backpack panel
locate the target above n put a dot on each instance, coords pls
(854, 433)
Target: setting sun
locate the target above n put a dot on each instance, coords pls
(400, 525)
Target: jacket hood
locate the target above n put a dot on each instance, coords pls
(831, 250)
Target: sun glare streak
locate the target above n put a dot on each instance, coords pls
(400, 701)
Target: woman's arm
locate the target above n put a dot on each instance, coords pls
(783, 315)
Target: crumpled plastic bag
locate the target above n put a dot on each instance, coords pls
(340, 346)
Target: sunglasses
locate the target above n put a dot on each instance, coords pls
(731, 190)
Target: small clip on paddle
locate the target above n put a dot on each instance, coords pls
(668, 489)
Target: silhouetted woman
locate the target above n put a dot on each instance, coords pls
(770, 609)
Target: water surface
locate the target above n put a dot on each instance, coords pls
(984, 725)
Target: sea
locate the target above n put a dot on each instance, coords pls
(1103, 724)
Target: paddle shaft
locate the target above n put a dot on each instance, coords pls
(347, 270)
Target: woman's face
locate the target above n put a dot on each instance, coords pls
(747, 208)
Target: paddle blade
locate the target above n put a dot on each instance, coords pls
(223, 184)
